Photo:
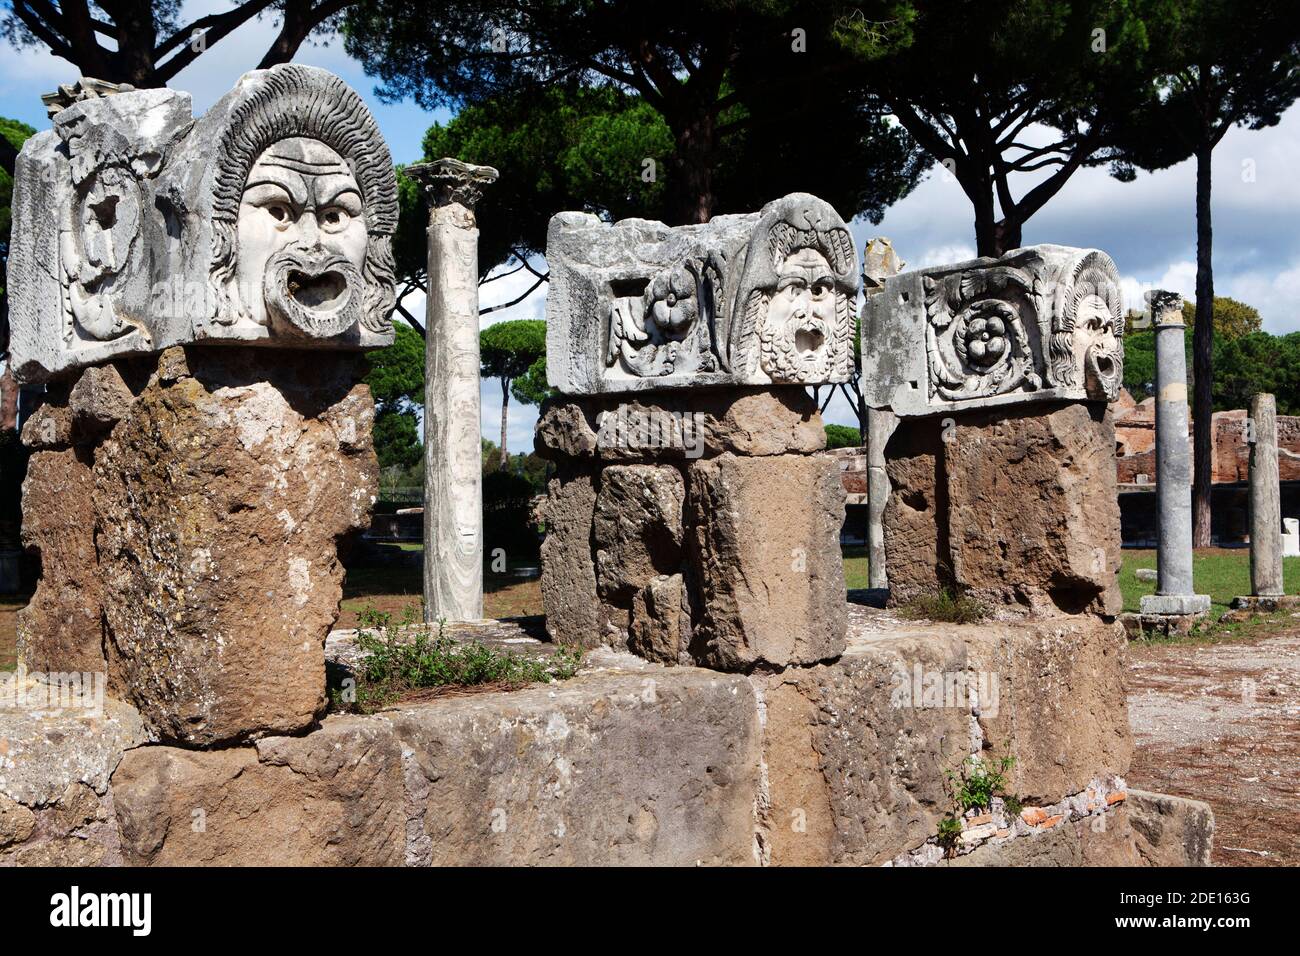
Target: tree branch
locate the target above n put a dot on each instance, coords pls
(214, 27)
(515, 301)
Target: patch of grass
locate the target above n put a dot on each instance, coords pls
(401, 659)
(947, 606)
(855, 568)
(1222, 573)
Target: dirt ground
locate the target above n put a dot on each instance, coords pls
(1219, 721)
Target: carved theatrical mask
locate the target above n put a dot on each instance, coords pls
(1088, 326)
(1042, 323)
(1096, 349)
(800, 279)
(99, 246)
(797, 332)
(301, 240)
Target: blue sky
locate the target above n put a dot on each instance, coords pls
(1148, 226)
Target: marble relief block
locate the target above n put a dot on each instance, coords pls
(757, 299)
(268, 220)
(1041, 323)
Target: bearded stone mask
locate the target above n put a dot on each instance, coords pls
(301, 241)
(797, 331)
(1096, 349)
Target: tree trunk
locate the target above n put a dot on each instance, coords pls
(1203, 355)
(505, 405)
(1007, 233)
(987, 232)
(690, 188)
(135, 49)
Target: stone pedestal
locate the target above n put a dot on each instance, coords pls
(694, 528)
(1173, 465)
(193, 547)
(453, 471)
(1016, 507)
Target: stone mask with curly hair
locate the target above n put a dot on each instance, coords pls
(304, 211)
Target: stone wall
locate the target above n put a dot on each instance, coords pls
(187, 510)
(694, 527)
(843, 762)
(1230, 454)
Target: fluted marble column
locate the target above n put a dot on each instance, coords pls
(453, 471)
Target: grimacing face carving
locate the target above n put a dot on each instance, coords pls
(301, 240)
(1096, 348)
(799, 325)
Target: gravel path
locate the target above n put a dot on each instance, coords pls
(1221, 723)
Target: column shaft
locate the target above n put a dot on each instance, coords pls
(1265, 500)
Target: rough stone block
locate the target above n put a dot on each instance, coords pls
(332, 798)
(764, 552)
(61, 629)
(676, 426)
(47, 749)
(49, 427)
(754, 299)
(568, 567)
(641, 767)
(219, 504)
(857, 751)
(1042, 323)
(652, 768)
(660, 627)
(98, 401)
(1016, 507)
(1072, 843)
(637, 529)
(1171, 831)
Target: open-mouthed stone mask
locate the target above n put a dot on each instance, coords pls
(301, 240)
(799, 327)
(758, 299)
(1097, 349)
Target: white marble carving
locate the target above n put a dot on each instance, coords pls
(752, 299)
(1040, 323)
(267, 220)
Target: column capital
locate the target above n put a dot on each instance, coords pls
(446, 181)
(1166, 308)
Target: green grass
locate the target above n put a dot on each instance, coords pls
(401, 659)
(944, 606)
(855, 568)
(1223, 574)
